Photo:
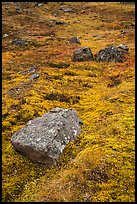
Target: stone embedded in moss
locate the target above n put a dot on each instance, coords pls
(44, 138)
(74, 40)
(82, 54)
(34, 76)
(112, 54)
(19, 42)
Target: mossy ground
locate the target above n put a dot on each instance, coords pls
(99, 165)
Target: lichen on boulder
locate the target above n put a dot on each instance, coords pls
(82, 54)
(112, 54)
(44, 138)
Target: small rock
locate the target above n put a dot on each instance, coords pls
(34, 76)
(67, 10)
(31, 70)
(5, 35)
(19, 42)
(74, 40)
(82, 54)
(39, 4)
(43, 139)
(124, 47)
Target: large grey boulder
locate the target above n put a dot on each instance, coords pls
(82, 54)
(44, 138)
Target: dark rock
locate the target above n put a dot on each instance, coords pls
(112, 54)
(60, 22)
(19, 42)
(34, 76)
(74, 40)
(82, 54)
(44, 138)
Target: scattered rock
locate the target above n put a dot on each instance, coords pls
(40, 3)
(74, 40)
(34, 76)
(112, 54)
(19, 42)
(44, 138)
(31, 70)
(82, 54)
(5, 35)
(66, 10)
(124, 47)
(60, 22)
(18, 9)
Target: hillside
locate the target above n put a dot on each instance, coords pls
(99, 166)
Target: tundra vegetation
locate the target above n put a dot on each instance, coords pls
(99, 166)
